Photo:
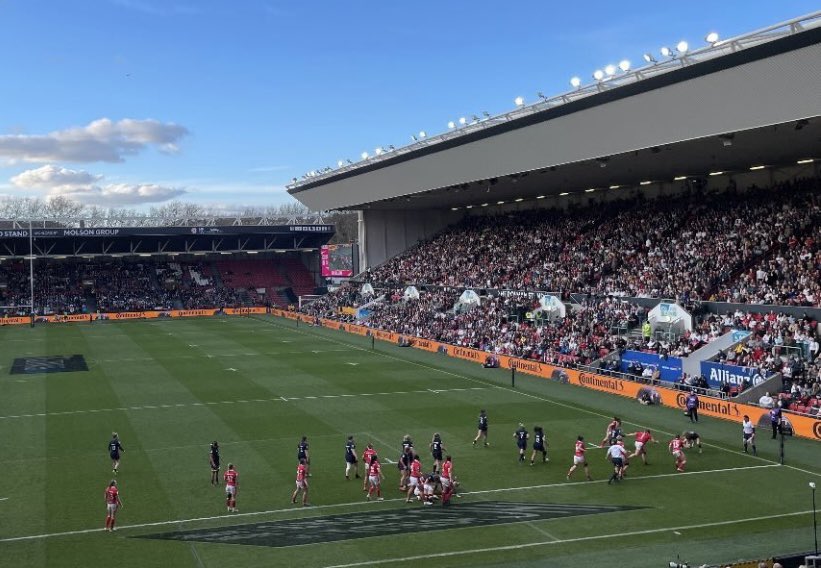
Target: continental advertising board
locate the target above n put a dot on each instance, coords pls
(803, 426)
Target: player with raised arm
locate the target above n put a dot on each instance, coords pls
(748, 434)
(351, 461)
(301, 483)
(676, 447)
(691, 439)
(112, 504)
(482, 433)
(114, 449)
(539, 445)
(214, 462)
(642, 439)
(579, 459)
(375, 478)
(231, 478)
(521, 436)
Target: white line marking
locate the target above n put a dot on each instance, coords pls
(233, 370)
(352, 364)
(563, 541)
(541, 530)
(359, 503)
(4, 498)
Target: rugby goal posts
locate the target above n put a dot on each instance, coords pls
(308, 299)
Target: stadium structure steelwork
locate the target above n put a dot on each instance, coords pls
(654, 68)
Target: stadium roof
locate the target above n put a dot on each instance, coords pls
(726, 107)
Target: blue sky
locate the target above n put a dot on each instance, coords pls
(133, 102)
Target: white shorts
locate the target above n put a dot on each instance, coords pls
(414, 481)
(230, 489)
(112, 508)
(678, 454)
(417, 491)
(578, 460)
(639, 446)
(373, 480)
(429, 489)
(445, 482)
(300, 484)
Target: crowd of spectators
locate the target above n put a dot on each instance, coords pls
(692, 247)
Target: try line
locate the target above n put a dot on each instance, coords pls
(360, 503)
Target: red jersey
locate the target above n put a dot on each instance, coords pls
(368, 454)
(416, 468)
(300, 472)
(112, 495)
(446, 467)
(374, 469)
(675, 445)
(643, 437)
(230, 477)
(580, 449)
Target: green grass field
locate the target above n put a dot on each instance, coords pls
(258, 384)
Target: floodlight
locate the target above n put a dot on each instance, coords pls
(598, 74)
(564, 193)
(364, 155)
(805, 161)
(716, 173)
(648, 57)
(591, 190)
(679, 178)
(682, 47)
(615, 186)
(378, 151)
(340, 163)
(451, 124)
(422, 134)
(575, 82)
(500, 203)
(540, 197)
(754, 168)
(712, 38)
(624, 65)
(666, 52)
(519, 101)
(463, 121)
(647, 182)
(519, 199)
(610, 70)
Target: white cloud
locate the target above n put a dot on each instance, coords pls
(102, 140)
(87, 188)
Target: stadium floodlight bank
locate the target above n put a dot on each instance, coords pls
(673, 61)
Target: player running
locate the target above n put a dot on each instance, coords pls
(112, 504)
(414, 480)
(676, 447)
(482, 433)
(302, 454)
(301, 483)
(691, 439)
(404, 467)
(366, 457)
(436, 448)
(231, 477)
(114, 449)
(521, 436)
(539, 445)
(214, 462)
(612, 432)
(375, 478)
(642, 439)
(748, 434)
(616, 454)
(579, 459)
(351, 462)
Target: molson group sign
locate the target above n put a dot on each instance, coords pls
(148, 314)
(803, 426)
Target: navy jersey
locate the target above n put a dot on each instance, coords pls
(538, 441)
(302, 451)
(691, 436)
(349, 451)
(483, 422)
(114, 446)
(521, 437)
(614, 435)
(408, 443)
(436, 448)
(214, 454)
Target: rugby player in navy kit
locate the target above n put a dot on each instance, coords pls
(114, 449)
(351, 463)
(436, 447)
(214, 462)
(302, 454)
(482, 433)
(521, 436)
(539, 445)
